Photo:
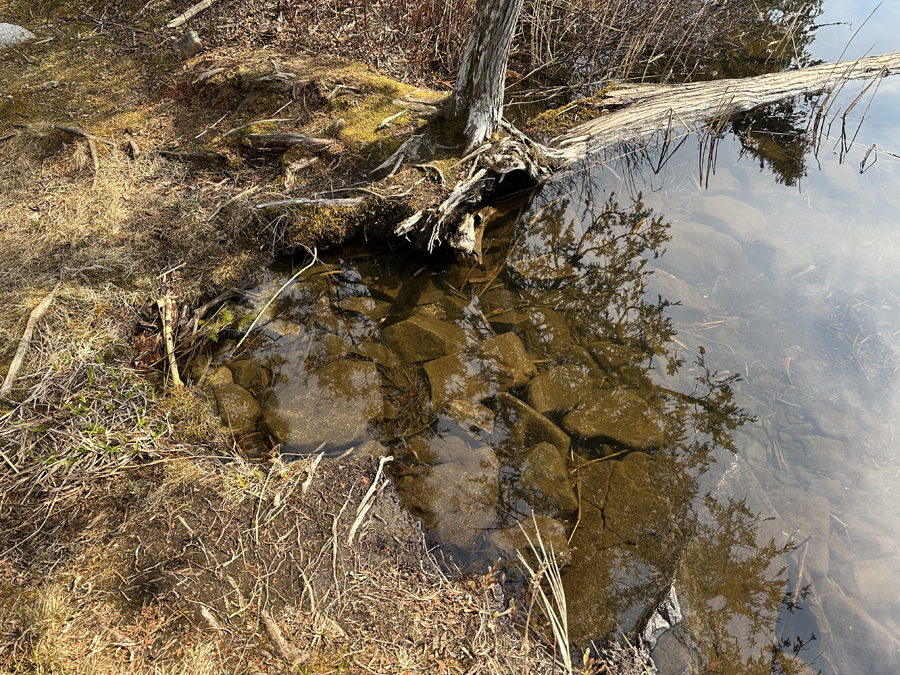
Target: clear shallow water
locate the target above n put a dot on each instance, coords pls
(552, 376)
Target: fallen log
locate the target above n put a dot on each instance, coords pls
(646, 109)
(637, 112)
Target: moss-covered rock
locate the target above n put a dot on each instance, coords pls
(239, 410)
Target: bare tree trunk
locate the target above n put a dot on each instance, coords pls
(642, 110)
(478, 92)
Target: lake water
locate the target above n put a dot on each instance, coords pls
(682, 361)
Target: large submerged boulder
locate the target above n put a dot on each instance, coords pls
(483, 370)
(422, 338)
(332, 405)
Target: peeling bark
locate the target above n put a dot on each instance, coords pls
(478, 92)
(646, 109)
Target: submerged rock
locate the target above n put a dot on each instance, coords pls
(663, 285)
(552, 534)
(457, 499)
(422, 338)
(483, 370)
(698, 253)
(369, 307)
(332, 405)
(875, 583)
(616, 416)
(807, 515)
(544, 482)
(858, 643)
(559, 389)
(522, 427)
(245, 371)
(471, 416)
(376, 352)
(239, 410)
(735, 218)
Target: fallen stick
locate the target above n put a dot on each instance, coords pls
(165, 312)
(285, 650)
(78, 131)
(304, 201)
(182, 19)
(25, 342)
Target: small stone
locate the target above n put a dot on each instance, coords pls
(525, 427)
(369, 307)
(238, 408)
(859, 644)
(698, 253)
(188, 45)
(663, 285)
(376, 352)
(471, 416)
(507, 350)
(823, 454)
(553, 534)
(544, 482)
(328, 345)
(612, 356)
(483, 370)
(875, 583)
(245, 371)
(12, 35)
(372, 449)
(733, 217)
(217, 376)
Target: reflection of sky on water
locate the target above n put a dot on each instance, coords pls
(815, 333)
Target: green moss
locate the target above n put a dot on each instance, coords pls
(323, 226)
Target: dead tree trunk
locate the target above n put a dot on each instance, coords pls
(478, 92)
(637, 112)
(642, 110)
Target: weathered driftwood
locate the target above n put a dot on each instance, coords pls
(285, 649)
(288, 140)
(478, 91)
(25, 342)
(639, 111)
(168, 316)
(182, 19)
(305, 201)
(643, 110)
(198, 155)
